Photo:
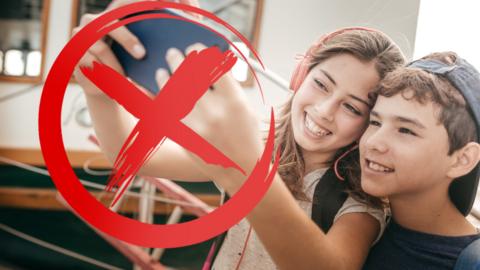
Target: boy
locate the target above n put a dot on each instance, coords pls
(421, 151)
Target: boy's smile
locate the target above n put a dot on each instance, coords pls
(405, 148)
(376, 167)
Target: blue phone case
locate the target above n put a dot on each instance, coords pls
(157, 36)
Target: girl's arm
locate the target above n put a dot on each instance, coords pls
(113, 124)
(293, 240)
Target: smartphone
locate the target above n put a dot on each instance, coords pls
(157, 36)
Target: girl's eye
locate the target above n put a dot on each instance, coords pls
(321, 85)
(352, 109)
(374, 123)
(406, 131)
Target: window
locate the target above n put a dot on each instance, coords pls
(23, 25)
(447, 26)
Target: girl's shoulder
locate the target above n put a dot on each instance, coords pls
(353, 206)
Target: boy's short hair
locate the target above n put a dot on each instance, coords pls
(427, 80)
(419, 85)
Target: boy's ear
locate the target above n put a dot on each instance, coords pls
(464, 160)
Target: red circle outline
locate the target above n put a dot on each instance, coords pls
(67, 183)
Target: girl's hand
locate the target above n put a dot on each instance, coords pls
(223, 117)
(101, 52)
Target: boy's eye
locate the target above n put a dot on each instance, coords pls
(406, 131)
(374, 123)
(321, 85)
(352, 109)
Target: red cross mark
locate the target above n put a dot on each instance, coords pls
(160, 118)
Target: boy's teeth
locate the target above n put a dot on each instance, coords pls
(377, 167)
(314, 128)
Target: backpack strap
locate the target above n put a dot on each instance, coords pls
(328, 197)
(469, 258)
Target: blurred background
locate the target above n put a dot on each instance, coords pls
(36, 229)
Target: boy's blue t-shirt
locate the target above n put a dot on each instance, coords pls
(401, 248)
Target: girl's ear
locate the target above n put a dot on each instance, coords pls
(464, 160)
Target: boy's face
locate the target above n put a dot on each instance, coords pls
(404, 149)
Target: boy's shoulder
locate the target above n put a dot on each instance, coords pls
(401, 248)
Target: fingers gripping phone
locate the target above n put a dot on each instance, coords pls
(157, 36)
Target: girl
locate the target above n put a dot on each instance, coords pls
(318, 125)
(321, 121)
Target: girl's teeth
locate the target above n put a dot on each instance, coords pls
(314, 128)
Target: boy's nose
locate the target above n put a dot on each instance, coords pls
(376, 141)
